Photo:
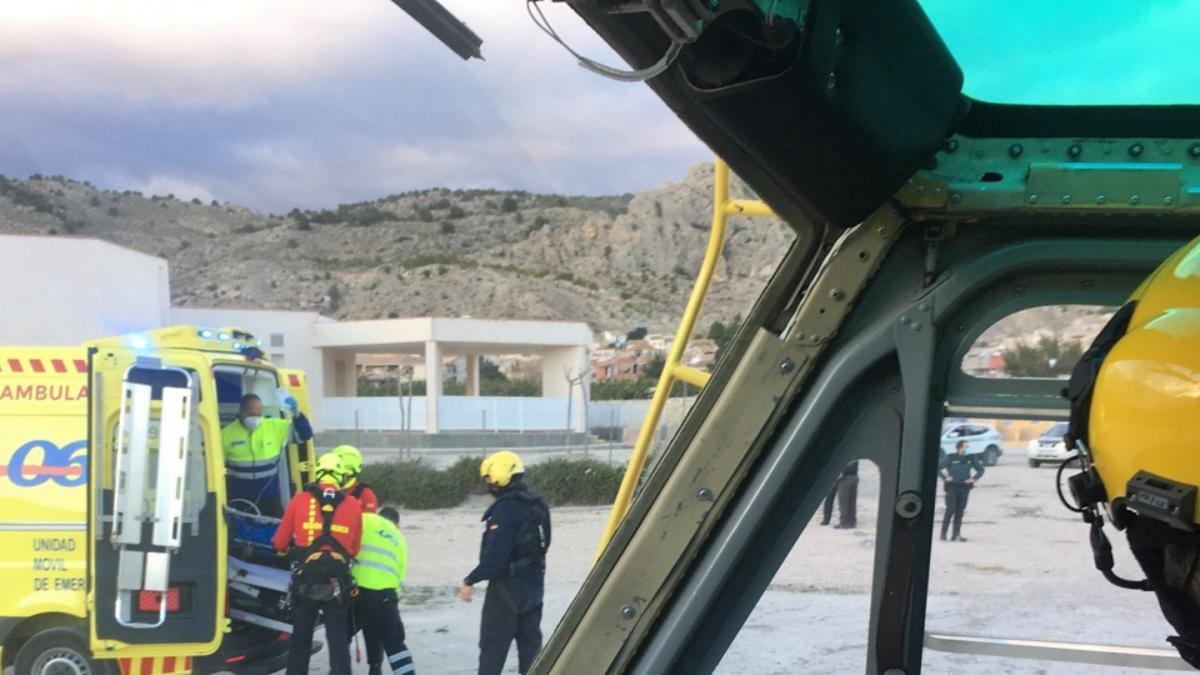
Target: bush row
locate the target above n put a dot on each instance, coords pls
(414, 485)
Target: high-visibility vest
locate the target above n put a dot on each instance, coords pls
(383, 558)
(253, 456)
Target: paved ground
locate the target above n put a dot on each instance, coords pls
(1026, 572)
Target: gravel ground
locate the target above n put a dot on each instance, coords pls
(1025, 573)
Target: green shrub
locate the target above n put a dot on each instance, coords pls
(465, 472)
(416, 486)
(575, 481)
(413, 485)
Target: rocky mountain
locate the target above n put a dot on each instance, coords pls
(615, 262)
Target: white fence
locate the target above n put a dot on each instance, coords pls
(486, 413)
(608, 414)
(455, 413)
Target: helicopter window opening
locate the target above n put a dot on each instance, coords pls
(814, 615)
(991, 177)
(1040, 342)
(1128, 53)
(1024, 560)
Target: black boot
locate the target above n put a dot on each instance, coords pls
(375, 669)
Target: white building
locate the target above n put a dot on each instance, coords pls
(64, 290)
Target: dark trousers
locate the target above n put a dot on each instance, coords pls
(956, 504)
(503, 620)
(845, 490)
(378, 615)
(337, 634)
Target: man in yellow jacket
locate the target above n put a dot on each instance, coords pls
(378, 572)
(253, 447)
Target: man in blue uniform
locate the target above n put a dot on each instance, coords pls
(512, 559)
(959, 472)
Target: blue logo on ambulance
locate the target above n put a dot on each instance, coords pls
(40, 461)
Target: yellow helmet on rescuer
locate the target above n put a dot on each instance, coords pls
(330, 466)
(352, 460)
(499, 468)
(1135, 421)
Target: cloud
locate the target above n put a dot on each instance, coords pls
(172, 185)
(202, 54)
(310, 103)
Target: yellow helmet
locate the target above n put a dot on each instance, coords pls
(1143, 427)
(499, 468)
(330, 465)
(352, 460)
(1135, 419)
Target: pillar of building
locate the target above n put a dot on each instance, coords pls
(472, 374)
(433, 385)
(562, 369)
(341, 375)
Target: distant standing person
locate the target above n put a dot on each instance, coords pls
(845, 490)
(512, 559)
(959, 472)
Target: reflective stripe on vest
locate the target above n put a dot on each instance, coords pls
(253, 475)
(252, 470)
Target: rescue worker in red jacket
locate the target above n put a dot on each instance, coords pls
(322, 531)
(352, 462)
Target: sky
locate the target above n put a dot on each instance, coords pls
(310, 103)
(277, 104)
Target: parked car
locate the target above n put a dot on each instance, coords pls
(983, 439)
(1048, 447)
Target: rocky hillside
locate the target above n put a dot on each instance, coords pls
(614, 262)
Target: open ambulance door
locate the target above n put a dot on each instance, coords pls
(302, 454)
(156, 542)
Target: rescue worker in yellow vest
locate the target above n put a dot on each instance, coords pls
(253, 447)
(378, 572)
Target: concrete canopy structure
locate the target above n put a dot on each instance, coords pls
(562, 345)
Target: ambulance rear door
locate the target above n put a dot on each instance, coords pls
(157, 546)
(296, 384)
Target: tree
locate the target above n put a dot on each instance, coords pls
(723, 334)
(508, 205)
(620, 390)
(637, 333)
(1048, 357)
(489, 370)
(653, 370)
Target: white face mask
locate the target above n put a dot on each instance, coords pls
(251, 423)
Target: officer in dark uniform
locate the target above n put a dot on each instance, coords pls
(959, 472)
(512, 559)
(845, 490)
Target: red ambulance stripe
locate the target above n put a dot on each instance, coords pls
(294, 380)
(80, 366)
(59, 366)
(15, 366)
(126, 666)
(45, 471)
(168, 664)
(147, 666)
(37, 366)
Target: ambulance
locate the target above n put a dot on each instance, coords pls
(121, 555)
